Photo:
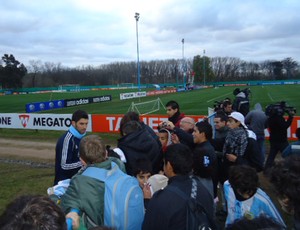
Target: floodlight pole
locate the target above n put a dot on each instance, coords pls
(137, 17)
(183, 63)
(203, 67)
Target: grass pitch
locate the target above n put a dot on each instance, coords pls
(193, 102)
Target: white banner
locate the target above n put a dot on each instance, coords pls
(38, 121)
(124, 96)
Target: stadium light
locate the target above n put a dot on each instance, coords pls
(137, 17)
(183, 63)
(203, 67)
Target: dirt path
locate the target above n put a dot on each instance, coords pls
(24, 148)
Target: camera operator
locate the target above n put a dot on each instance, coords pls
(241, 102)
(224, 106)
(278, 131)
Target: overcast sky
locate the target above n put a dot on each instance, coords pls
(95, 32)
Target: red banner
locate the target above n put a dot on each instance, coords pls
(111, 123)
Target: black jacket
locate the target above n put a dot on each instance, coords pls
(184, 137)
(138, 145)
(278, 128)
(167, 210)
(252, 157)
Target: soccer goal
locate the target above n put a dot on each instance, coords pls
(69, 88)
(125, 86)
(147, 107)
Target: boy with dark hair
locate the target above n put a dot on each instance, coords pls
(165, 139)
(67, 161)
(258, 223)
(244, 198)
(205, 159)
(133, 116)
(136, 143)
(34, 212)
(166, 209)
(173, 112)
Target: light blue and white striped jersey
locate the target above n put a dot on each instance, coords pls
(258, 204)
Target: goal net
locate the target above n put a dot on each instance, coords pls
(126, 86)
(147, 107)
(69, 88)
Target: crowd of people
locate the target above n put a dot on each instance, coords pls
(186, 175)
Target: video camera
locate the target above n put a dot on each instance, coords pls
(279, 109)
(218, 105)
(246, 91)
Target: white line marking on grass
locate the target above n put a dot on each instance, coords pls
(270, 97)
(218, 97)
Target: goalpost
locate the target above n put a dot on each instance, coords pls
(69, 88)
(125, 86)
(146, 107)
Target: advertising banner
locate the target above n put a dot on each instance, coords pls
(46, 105)
(38, 121)
(98, 123)
(86, 100)
(124, 96)
(158, 92)
(111, 123)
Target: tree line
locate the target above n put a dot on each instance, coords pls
(204, 69)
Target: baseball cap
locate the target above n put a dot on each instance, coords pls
(239, 117)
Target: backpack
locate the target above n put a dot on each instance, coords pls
(123, 198)
(196, 217)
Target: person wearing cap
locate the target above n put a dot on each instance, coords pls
(240, 145)
(236, 139)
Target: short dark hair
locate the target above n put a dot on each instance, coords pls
(131, 127)
(173, 105)
(258, 223)
(244, 179)
(129, 116)
(226, 103)
(92, 149)
(79, 114)
(205, 127)
(142, 165)
(33, 212)
(180, 157)
(236, 91)
(222, 115)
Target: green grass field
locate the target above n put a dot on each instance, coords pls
(192, 103)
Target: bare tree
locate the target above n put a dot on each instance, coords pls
(290, 67)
